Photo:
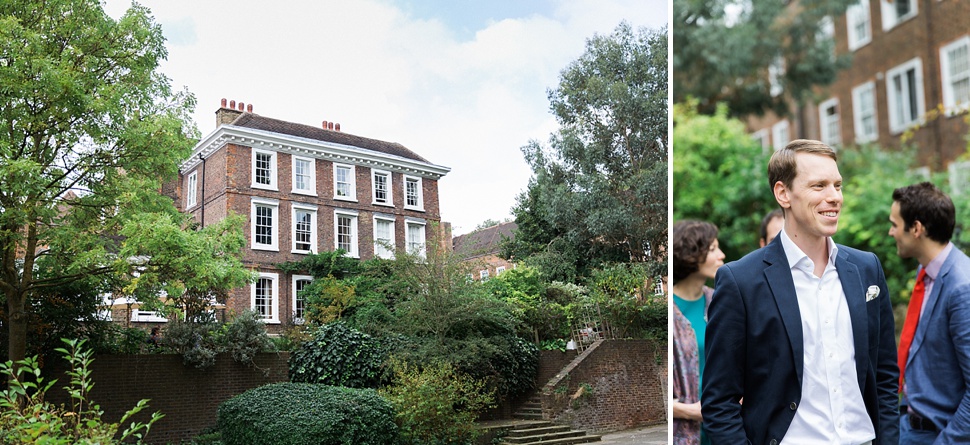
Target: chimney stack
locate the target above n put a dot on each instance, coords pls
(227, 114)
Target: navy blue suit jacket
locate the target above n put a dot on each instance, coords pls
(938, 366)
(754, 347)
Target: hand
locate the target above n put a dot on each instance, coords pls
(689, 411)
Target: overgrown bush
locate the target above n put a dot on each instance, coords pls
(26, 418)
(245, 336)
(194, 341)
(303, 413)
(341, 356)
(436, 405)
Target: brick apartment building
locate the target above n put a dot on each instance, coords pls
(305, 189)
(909, 57)
(481, 248)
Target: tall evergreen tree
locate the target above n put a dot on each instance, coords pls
(599, 190)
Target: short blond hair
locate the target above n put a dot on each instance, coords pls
(783, 167)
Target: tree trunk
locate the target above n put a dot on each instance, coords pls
(17, 334)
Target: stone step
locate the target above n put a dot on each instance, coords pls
(545, 437)
(561, 441)
(525, 432)
(528, 415)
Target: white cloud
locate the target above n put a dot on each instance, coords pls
(467, 104)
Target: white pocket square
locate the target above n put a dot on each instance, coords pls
(872, 293)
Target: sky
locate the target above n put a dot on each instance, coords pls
(462, 83)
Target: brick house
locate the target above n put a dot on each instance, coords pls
(481, 248)
(304, 189)
(910, 58)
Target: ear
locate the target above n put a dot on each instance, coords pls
(781, 195)
(918, 229)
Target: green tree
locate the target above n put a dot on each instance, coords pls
(599, 190)
(89, 130)
(736, 52)
(720, 176)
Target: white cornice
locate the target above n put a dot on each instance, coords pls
(331, 151)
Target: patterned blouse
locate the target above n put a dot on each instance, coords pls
(686, 378)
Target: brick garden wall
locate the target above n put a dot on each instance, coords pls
(613, 385)
(189, 398)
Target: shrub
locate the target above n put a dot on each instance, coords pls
(341, 356)
(193, 341)
(436, 405)
(25, 418)
(245, 336)
(303, 413)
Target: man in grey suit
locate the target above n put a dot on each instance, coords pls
(802, 329)
(934, 353)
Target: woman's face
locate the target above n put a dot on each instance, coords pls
(715, 259)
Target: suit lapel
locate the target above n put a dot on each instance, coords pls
(855, 297)
(930, 303)
(778, 275)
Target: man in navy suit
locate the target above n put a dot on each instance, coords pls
(801, 340)
(936, 363)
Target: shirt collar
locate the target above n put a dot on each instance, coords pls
(933, 269)
(795, 254)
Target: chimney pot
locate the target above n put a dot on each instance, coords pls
(232, 104)
(242, 106)
(324, 125)
(329, 125)
(223, 104)
(249, 108)
(337, 127)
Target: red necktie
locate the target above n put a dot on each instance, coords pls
(909, 326)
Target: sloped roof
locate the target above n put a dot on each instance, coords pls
(483, 241)
(255, 121)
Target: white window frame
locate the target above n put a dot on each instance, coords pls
(388, 181)
(272, 170)
(780, 134)
(192, 190)
(949, 100)
(483, 275)
(761, 137)
(859, 113)
(420, 193)
(312, 210)
(296, 279)
(423, 249)
(378, 248)
(499, 270)
(311, 176)
(857, 15)
(138, 315)
(354, 250)
(889, 18)
(275, 229)
(824, 121)
(274, 300)
(776, 70)
(351, 181)
(896, 123)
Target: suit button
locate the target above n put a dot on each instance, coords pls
(774, 442)
(793, 406)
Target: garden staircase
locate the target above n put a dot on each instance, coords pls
(535, 431)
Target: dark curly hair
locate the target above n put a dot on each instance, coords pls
(692, 242)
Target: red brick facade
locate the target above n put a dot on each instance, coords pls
(916, 38)
(222, 168)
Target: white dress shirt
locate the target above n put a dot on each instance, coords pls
(831, 410)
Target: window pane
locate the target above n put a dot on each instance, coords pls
(264, 225)
(264, 297)
(263, 168)
(343, 181)
(344, 235)
(304, 219)
(302, 174)
(300, 306)
(412, 192)
(380, 188)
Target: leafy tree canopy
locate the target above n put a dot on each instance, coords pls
(599, 190)
(734, 52)
(90, 129)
